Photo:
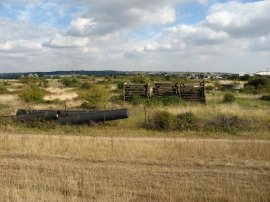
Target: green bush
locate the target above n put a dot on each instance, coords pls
(137, 99)
(43, 83)
(248, 89)
(6, 83)
(266, 97)
(32, 93)
(155, 101)
(186, 121)
(95, 97)
(257, 85)
(227, 87)
(162, 120)
(141, 79)
(171, 100)
(86, 86)
(3, 106)
(29, 80)
(229, 97)
(259, 82)
(227, 123)
(70, 81)
(209, 88)
(120, 85)
(3, 90)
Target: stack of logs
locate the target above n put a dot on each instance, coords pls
(164, 89)
(141, 90)
(192, 92)
(186, 91)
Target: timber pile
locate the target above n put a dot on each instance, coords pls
(162, 89)
(141, 90)
(192, 92)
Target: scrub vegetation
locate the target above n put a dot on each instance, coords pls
(168, 149)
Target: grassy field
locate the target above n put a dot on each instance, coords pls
(56, 168)
(125, 161)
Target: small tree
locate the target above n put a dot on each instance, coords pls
(162, 120)
(70, 81)
(32, 93)
(120, 85)
(95, 97)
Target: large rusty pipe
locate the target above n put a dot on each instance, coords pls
(75, 117)
(99, 116)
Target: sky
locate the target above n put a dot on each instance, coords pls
(135, 35)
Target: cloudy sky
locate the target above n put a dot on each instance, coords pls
(166, 35)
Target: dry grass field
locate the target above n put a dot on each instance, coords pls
(123, 161)
(69, 168)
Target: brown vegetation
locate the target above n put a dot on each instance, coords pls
(62, 168)
(124, 161)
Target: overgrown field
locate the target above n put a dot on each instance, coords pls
(168, 150)
(62, 168)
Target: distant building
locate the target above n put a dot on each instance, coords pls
(263, 73)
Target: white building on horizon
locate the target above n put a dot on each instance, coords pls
(262, 73)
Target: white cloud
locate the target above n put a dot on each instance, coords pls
(19, 46)
(61, 41)
(159, 16)
(114, 34)
(240, 20)
(106, 17)
(261, 44)
(81, 27)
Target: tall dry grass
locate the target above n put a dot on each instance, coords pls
(62, 168)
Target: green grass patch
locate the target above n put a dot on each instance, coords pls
(252, 103)
(4, 90)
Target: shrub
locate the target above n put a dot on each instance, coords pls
(258, 82)
(162, 120)
(257, 85)
(228, 123)
(95, 97)
(227, 87)
(6, 83)
(209, 88)
(248, 89)
(32, 93)
(3, 106)
(86, 86)
(155, 101)
(3, 90)
(266, 97)
(43, 82)
(120, 85)
(70, 81)
(186, 121)
(137, 99)
(29, 80)
(228, 97)
(171, 100)
(140, 79)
